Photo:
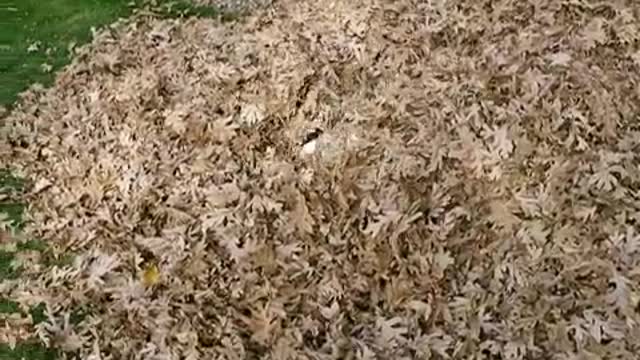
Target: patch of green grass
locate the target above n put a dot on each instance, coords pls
(32, 245)
(10, 183)
(79, 314)
(29, 350)
(174, 9)
(7, 272)
(8, 307)
(13, 214)
(37, 34)
(37, 314)
(10, 212)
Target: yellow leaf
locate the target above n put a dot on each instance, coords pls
(151, 275)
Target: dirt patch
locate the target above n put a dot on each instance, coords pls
(346, 180)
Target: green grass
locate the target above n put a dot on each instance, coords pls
(38, 34)
(173, 9)
(7, 272)
(29, 350)
(36, 39)
(9, 182)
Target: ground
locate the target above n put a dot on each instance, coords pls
(356, 179)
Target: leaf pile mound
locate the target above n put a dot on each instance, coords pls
(355, 179)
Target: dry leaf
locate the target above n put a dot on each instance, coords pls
(559, 59)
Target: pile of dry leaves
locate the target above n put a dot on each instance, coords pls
(354, 179)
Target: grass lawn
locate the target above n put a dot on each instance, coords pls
(38, 36)
(36, 40)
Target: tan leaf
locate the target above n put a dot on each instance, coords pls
(559, 59)
(594, 33)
